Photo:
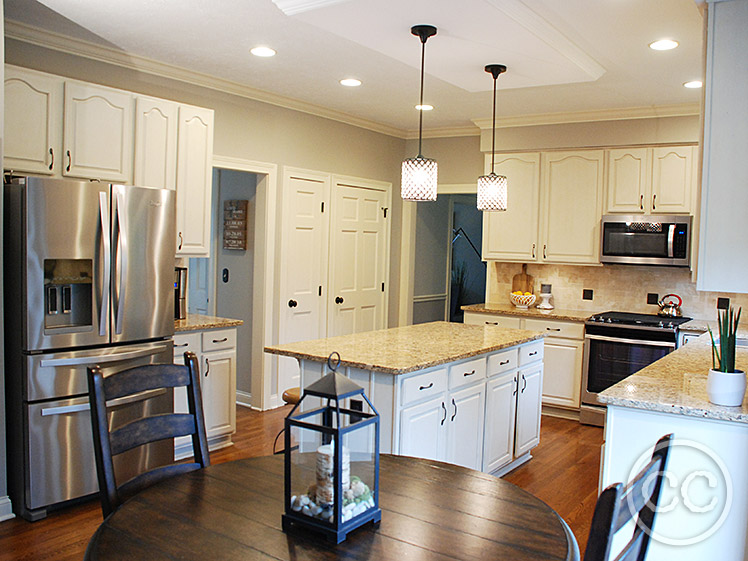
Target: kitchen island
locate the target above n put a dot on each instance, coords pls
(705, 498)
(465, 394)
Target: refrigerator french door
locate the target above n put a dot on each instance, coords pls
(89, 272)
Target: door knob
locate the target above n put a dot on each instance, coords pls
(292, 303)
(338, 299)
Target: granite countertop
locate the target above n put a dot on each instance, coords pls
(702, 325)
(406, 349)
(511, 310)
(677, 384)
(197, 322)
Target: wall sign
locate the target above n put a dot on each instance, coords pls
(235, 224)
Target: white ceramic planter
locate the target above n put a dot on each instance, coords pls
(726, 388)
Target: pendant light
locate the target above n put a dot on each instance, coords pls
(492, 188)
(419, 173)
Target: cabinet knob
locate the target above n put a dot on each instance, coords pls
(292, 303)
(339, 300)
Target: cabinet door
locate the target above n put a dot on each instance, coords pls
(672, 169)
(194, 172)
(184, 342)
(530, 385)
(562, 378)
(218, 387)
(512, 235)
(155, 143)
(422, 430)
(498, 442)
(627, 185)
(571, 206)
(466, 410)
(33, 121)
(97, 133)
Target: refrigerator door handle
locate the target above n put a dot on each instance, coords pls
(102, 359)
(106, 281)
(122, 250)
(47, 411)
(120, 401)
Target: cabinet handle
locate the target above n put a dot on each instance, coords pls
(52, 163)
(181, 345)
(69, 161)
(445, 414)
(455, 413)
(515, 386)
(503, 362)
(524, 383)
(468, 373)
(553, 329)
(221, 340)
(207, 367)
(181, 240)
(431, 385)
(533, 353)
(654, 199)
(533, 251)
(492, 323)
(641, 202)
(544, 255)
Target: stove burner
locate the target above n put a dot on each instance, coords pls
(643, 320)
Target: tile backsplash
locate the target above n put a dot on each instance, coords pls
(615, 287)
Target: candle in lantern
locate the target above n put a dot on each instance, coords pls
(325, 468)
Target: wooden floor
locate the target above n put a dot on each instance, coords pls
(563, 473)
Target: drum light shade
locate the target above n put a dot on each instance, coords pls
(419, 179)
(492, 192)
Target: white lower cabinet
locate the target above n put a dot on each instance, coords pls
(422, 432)
(501, 405)
(465, 416)
(529, 390)
(216, 355)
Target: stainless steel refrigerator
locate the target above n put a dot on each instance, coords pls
(89, 279)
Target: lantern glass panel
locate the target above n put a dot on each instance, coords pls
(359, 492)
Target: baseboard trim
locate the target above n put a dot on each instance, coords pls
(502, 471)
(552, 411)
(6, 509)
(244, 399)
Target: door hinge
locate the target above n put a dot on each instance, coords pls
(320, 290)
(385, 209)
(322, 206)
(382, 287)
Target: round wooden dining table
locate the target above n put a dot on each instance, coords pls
(430, 510)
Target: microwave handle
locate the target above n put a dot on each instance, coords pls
(670, 238)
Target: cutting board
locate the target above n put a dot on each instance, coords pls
(522, 281)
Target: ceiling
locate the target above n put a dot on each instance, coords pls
(570, 56)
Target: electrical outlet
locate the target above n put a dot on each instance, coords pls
(653, 298)
(587, 294)
(723, 303)
(356, 405)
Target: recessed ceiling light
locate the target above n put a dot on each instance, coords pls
(694, 84)
(424, 107)
(663, 45)
(350, 82)
(263, 52)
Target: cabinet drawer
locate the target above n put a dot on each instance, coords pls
(479, 318)
(568, 329)
(532, 352)
(502, 362)
(424, 385)
(467, 372)
(219, 340)
(185, 342)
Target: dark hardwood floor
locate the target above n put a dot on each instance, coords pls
(563, 473)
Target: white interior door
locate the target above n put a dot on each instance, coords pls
(358, 245)
(304, 265)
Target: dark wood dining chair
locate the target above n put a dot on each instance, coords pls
(108, 444)
(617, 505)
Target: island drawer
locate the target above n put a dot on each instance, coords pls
(184, 342)
(219, 339)
(421, 386)
(482, 318)
(568, 329)
(468, 372)
(502, 362)
(531, 352)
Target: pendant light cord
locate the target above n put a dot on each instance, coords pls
(420, 112)
(493, 129)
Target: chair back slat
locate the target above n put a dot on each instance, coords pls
(151, 429)
(638, 493)
(137, 384)
(633, 549)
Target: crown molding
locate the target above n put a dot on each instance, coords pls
(69, 45)
(623, 114)
(444, 132)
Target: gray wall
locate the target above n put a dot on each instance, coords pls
(234, 298)
(430, 266)
(467, 216)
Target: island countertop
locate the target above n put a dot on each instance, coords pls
(399, 350)
(677, 384)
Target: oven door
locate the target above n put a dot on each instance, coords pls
(608, 360)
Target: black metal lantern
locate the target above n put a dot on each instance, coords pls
(332, 458)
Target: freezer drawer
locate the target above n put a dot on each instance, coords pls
(60, 447)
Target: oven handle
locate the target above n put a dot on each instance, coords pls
(631, 341)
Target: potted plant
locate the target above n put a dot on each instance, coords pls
(725, 385)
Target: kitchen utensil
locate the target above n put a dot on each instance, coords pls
(522, 281)
(668, 308)
(522, 301)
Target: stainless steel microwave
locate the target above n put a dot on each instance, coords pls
(646, 239)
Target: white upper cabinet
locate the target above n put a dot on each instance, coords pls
(33, 121)
(650, 180)
(512, 235)
(571, 205)
(155, 143)
(98, 133)
(194, 170)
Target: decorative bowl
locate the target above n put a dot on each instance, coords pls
(522, 301)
